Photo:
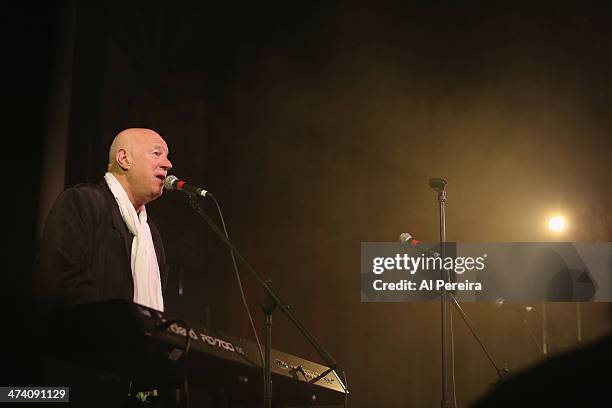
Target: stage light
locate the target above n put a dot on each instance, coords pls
(556, 223)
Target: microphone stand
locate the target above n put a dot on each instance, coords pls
(271, 302)
(501, 371)
(448, 358)
(439, 184)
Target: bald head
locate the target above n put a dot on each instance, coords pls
(127, 140)
(138, 158)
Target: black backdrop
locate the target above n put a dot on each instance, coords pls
(317, 126)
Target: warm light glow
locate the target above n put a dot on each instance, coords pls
(556, 223)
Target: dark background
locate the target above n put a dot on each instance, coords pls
(317, 127)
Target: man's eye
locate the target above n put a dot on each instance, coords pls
(157, 153)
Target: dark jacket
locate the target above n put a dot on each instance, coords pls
(85, 251)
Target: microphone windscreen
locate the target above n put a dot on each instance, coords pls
(170, 182)
(405, 237)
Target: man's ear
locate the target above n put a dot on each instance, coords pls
(123, 159)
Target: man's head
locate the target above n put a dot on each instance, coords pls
(138, 158)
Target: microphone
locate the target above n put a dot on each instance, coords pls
(406, 238)
(172, 183)
(500, 302)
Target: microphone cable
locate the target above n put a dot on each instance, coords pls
(240, 288)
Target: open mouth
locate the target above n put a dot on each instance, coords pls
(161, 177)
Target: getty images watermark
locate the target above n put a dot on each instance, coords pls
(396, 272)
(428, 263)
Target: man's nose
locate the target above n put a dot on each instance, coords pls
(167, 165)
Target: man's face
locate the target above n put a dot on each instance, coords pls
(150, 166)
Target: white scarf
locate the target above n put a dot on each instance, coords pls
(145, 270)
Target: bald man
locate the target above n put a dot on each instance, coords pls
(98, 243)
